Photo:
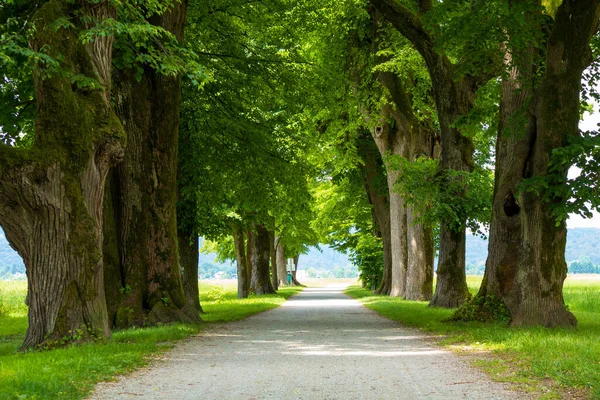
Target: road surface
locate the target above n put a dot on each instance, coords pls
(320, 344)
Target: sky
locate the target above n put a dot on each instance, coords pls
(590, 123)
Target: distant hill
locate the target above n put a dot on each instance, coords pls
(582, 243)
(323, 261)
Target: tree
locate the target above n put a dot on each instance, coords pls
(376, 188)
(453, 91)
(400, 133)
(260, 282)
(51, 194)
(243, 159)
(145, 194)
(539, 115)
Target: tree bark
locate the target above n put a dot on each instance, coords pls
(419, 278)
(526, 266)
(390, 139)
(249, 260)
(411, 243)
(188, 265)
(281, 262)
(147, 193)
(273, 258)
(376, 187)
(260, 282)
(242, 263)
(51, 195)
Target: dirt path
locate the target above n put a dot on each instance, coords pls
(319, 345)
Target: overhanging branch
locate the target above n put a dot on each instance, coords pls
(410, 26)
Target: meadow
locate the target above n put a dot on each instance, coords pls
(72, 372)
(548, 363)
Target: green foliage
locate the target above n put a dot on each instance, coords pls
(213, 294)
(125, 290)
(224, 249)
(439, 195)
(344, 221)
(242, 148)
(367, 255)
(578, 195)
(138, 45)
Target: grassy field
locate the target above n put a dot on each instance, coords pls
(72, 372)
(550, 363)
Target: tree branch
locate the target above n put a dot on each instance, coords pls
(410, 26)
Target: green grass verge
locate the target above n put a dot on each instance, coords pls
(552, 363)
(72, 372)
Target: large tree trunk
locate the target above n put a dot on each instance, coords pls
(526, 266)
(147, 193)
(51, 196)
(419, 277)
(411, 243)
(398, 238)
(260, 282)
(242, 263)
(452, 99)
(281, 262)
(451, 287)
(375, 183)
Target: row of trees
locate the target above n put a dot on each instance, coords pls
(432, 87)
(131, 128)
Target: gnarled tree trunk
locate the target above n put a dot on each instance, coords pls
(419, 277)
(145, 214)
(526, 266)
(453, 99)
(51, 195)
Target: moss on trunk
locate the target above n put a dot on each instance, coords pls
(52, 195)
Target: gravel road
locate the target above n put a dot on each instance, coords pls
(319, 345)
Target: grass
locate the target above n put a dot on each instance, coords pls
(72, 372)
(550, 363)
